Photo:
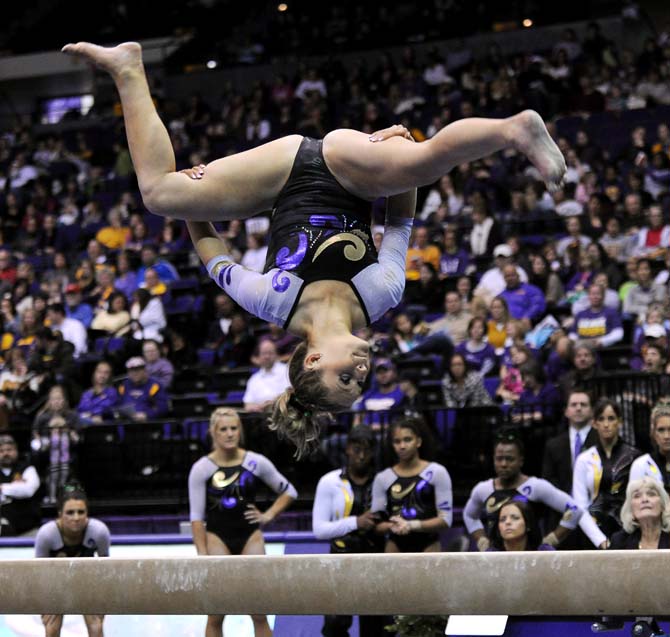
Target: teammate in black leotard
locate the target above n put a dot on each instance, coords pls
(72, 534)
(414, 495)
(326, 310)
(222, 493)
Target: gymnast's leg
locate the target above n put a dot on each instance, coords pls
(256, 546)
(215, 546)
(52, 625)
(235, 187)
(373, 169)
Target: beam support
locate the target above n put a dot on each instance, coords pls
(561, 583)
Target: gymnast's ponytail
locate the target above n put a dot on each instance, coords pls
(299, 412)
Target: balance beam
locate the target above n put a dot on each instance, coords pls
(562, 583)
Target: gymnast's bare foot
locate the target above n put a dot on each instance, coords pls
(115, 60)
(530, 137)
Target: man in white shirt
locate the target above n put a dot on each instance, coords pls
(73, 331)
(268, 382)
(492, 282)
(19, 482)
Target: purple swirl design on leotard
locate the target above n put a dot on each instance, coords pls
(228, 502)
(409, 513)
(287, 261)
(279, 283)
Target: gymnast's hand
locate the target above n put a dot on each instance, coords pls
(195, 172)
(255, 516)
(399, 525)
(397, 130)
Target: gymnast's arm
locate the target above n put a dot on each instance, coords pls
(472, 514)
(560, 502)
(324, 526)
(268, 473)
(253, 291)
(443, 504)
(380, 501)
(197, 480)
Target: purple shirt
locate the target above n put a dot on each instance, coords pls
(525, 301)
(590, 324)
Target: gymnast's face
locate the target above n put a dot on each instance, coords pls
(406, 443)
(661, 435)
(344, 363)
(226, 433)
(74, 516)
(507, 461)
(511, 524)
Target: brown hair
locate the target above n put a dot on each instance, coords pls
(297, 413)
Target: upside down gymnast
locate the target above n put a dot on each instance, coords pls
(323, 278)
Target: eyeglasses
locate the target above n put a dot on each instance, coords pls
(508, 436)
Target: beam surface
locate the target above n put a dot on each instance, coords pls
(584, 583)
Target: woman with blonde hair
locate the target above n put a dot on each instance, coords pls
(645, 517)
(323, 278)
(655, 464)
(222, 491)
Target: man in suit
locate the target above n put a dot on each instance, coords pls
(560, 453)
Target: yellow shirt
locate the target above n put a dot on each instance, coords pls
(417, 256)
(113, 238)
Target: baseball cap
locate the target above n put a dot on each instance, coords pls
(654, 331)
(384, 363)
(135, 362)
(502, 250)
(72, 288)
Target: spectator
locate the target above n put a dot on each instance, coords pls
(496, 326)
(52, 359)
(652, 240)
(645, 292)
(511, 383)
(283, 340)
(153, 283)
(385, 393)
(269, 381)
(224, 308)
(538, 402)
(7, 270)
(645, 517)
(59, 443)
(147, 316)
(165, 271)
(454, 260)
(598, 325)
(427, 291)
(655, 359)
(492, 282)
(574, 243)
(115, 235)
(615, 242)
(126, 281)
(97, 403)
(602, 471)
(443, 193)
(72, 330)
(462, 387)
(585, 367)
(19, 482)
(542, 277)
(341, 514)
(524, 300)
(256, 252)
(237, 346)
(561, 451)
(405, 334)
(142, 398)
(115, 320)
(18, 388)
(479, 354)
(420, 251)
(75, 308)
(57, 404)
(158, 367)
(99, 296)
(485, 235)
(455, 321)
(612, 299)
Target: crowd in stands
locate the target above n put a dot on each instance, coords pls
(518, 295)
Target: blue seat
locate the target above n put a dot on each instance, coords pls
(206, 356)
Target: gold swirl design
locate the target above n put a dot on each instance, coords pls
(398, 493)
(219, 480)
(492, 506)
(353, 252)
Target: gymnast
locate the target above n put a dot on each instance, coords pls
(323, 278)
(222, 491)
(72, 534)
